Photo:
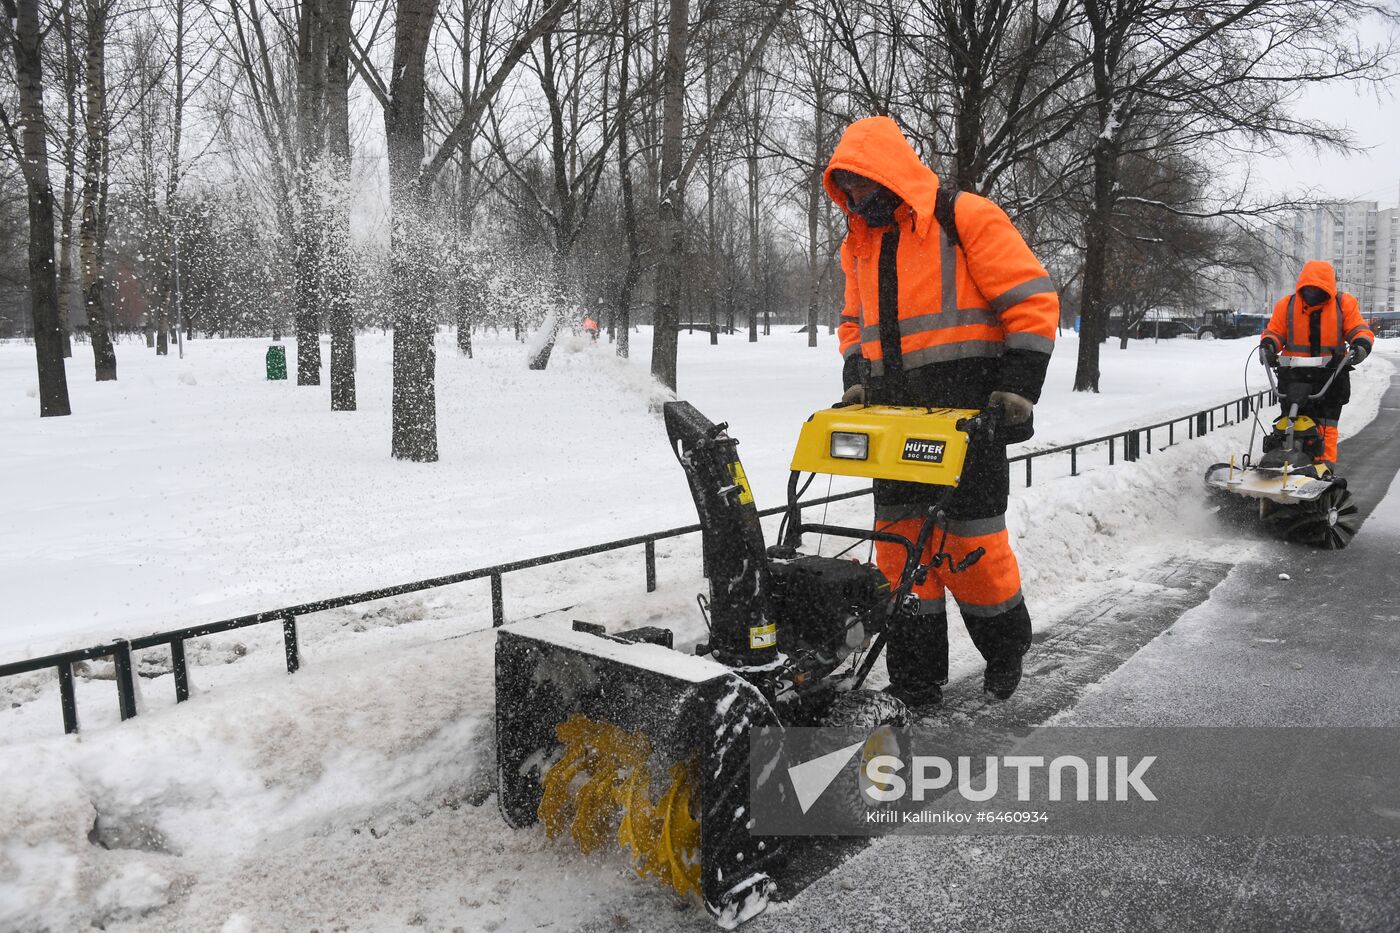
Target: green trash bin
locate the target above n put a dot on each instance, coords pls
(277, 362)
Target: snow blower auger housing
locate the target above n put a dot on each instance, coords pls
(1295, 492)
(616, 738)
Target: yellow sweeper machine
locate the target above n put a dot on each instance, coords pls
(1294, 492)
(613, 738)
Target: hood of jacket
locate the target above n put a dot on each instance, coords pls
(875, 148)
(1319, 273)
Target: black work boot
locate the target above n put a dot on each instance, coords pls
(1002, 678)
(1002, 639)
(920, 699)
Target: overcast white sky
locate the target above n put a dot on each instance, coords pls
(1374, 121)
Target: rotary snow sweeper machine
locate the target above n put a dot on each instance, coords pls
(1292, 490)
(617, 739)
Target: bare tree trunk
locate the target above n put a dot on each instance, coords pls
(71, 66)
(562, 191)
(311, 88)
(1093, 315)
(172, 186)
(415, 362)
(93, 228)
(43, 285)
(672, 208)
(814, 205)
(753, 126)
(467, 285)
(711, 266)
(336, 277)
(633, 271)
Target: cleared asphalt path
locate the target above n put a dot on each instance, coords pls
(1321, 648)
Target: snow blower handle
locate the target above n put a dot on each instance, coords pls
(1340, 363)
(985, 423)
(1268, 358)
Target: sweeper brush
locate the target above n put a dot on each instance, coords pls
(1290, 489)
(616, 740)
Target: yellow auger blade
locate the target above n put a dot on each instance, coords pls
(557, 798)
(676, 857)
(603, 771)
(616, 755)
(640, 826)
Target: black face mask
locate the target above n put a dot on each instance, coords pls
(1313, 296)
(877, 207)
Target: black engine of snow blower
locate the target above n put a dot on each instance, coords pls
(824, 607)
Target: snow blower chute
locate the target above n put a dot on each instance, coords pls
(617, 739)
(1294, 491)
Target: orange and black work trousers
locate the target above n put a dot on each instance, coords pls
(1326, 411)
(988, 592)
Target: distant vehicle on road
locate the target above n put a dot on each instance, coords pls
(1224, 324)
(1386, 324)
(1150, 330)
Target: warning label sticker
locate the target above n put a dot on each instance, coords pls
(763, 636)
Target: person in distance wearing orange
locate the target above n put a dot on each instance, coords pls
(1309, 330)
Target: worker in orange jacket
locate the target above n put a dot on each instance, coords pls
(1309, 330)
(945, 306)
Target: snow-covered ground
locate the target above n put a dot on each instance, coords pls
(193, 490)
(347, 796)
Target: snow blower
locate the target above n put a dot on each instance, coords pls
(1295, 493)
(616, 738)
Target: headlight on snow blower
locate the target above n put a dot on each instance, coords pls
(847, 445)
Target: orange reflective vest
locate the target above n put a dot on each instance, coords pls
(1299, 331)
(985, 297)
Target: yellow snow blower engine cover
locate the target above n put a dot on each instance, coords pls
(912, 445)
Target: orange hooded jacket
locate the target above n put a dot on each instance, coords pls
(987, 299)
(1297, 330)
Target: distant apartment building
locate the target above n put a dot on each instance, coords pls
(1359, 239)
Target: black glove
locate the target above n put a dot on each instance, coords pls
(1268, 353)
(1359, 351)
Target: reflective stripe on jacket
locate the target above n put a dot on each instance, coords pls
(988, 298)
